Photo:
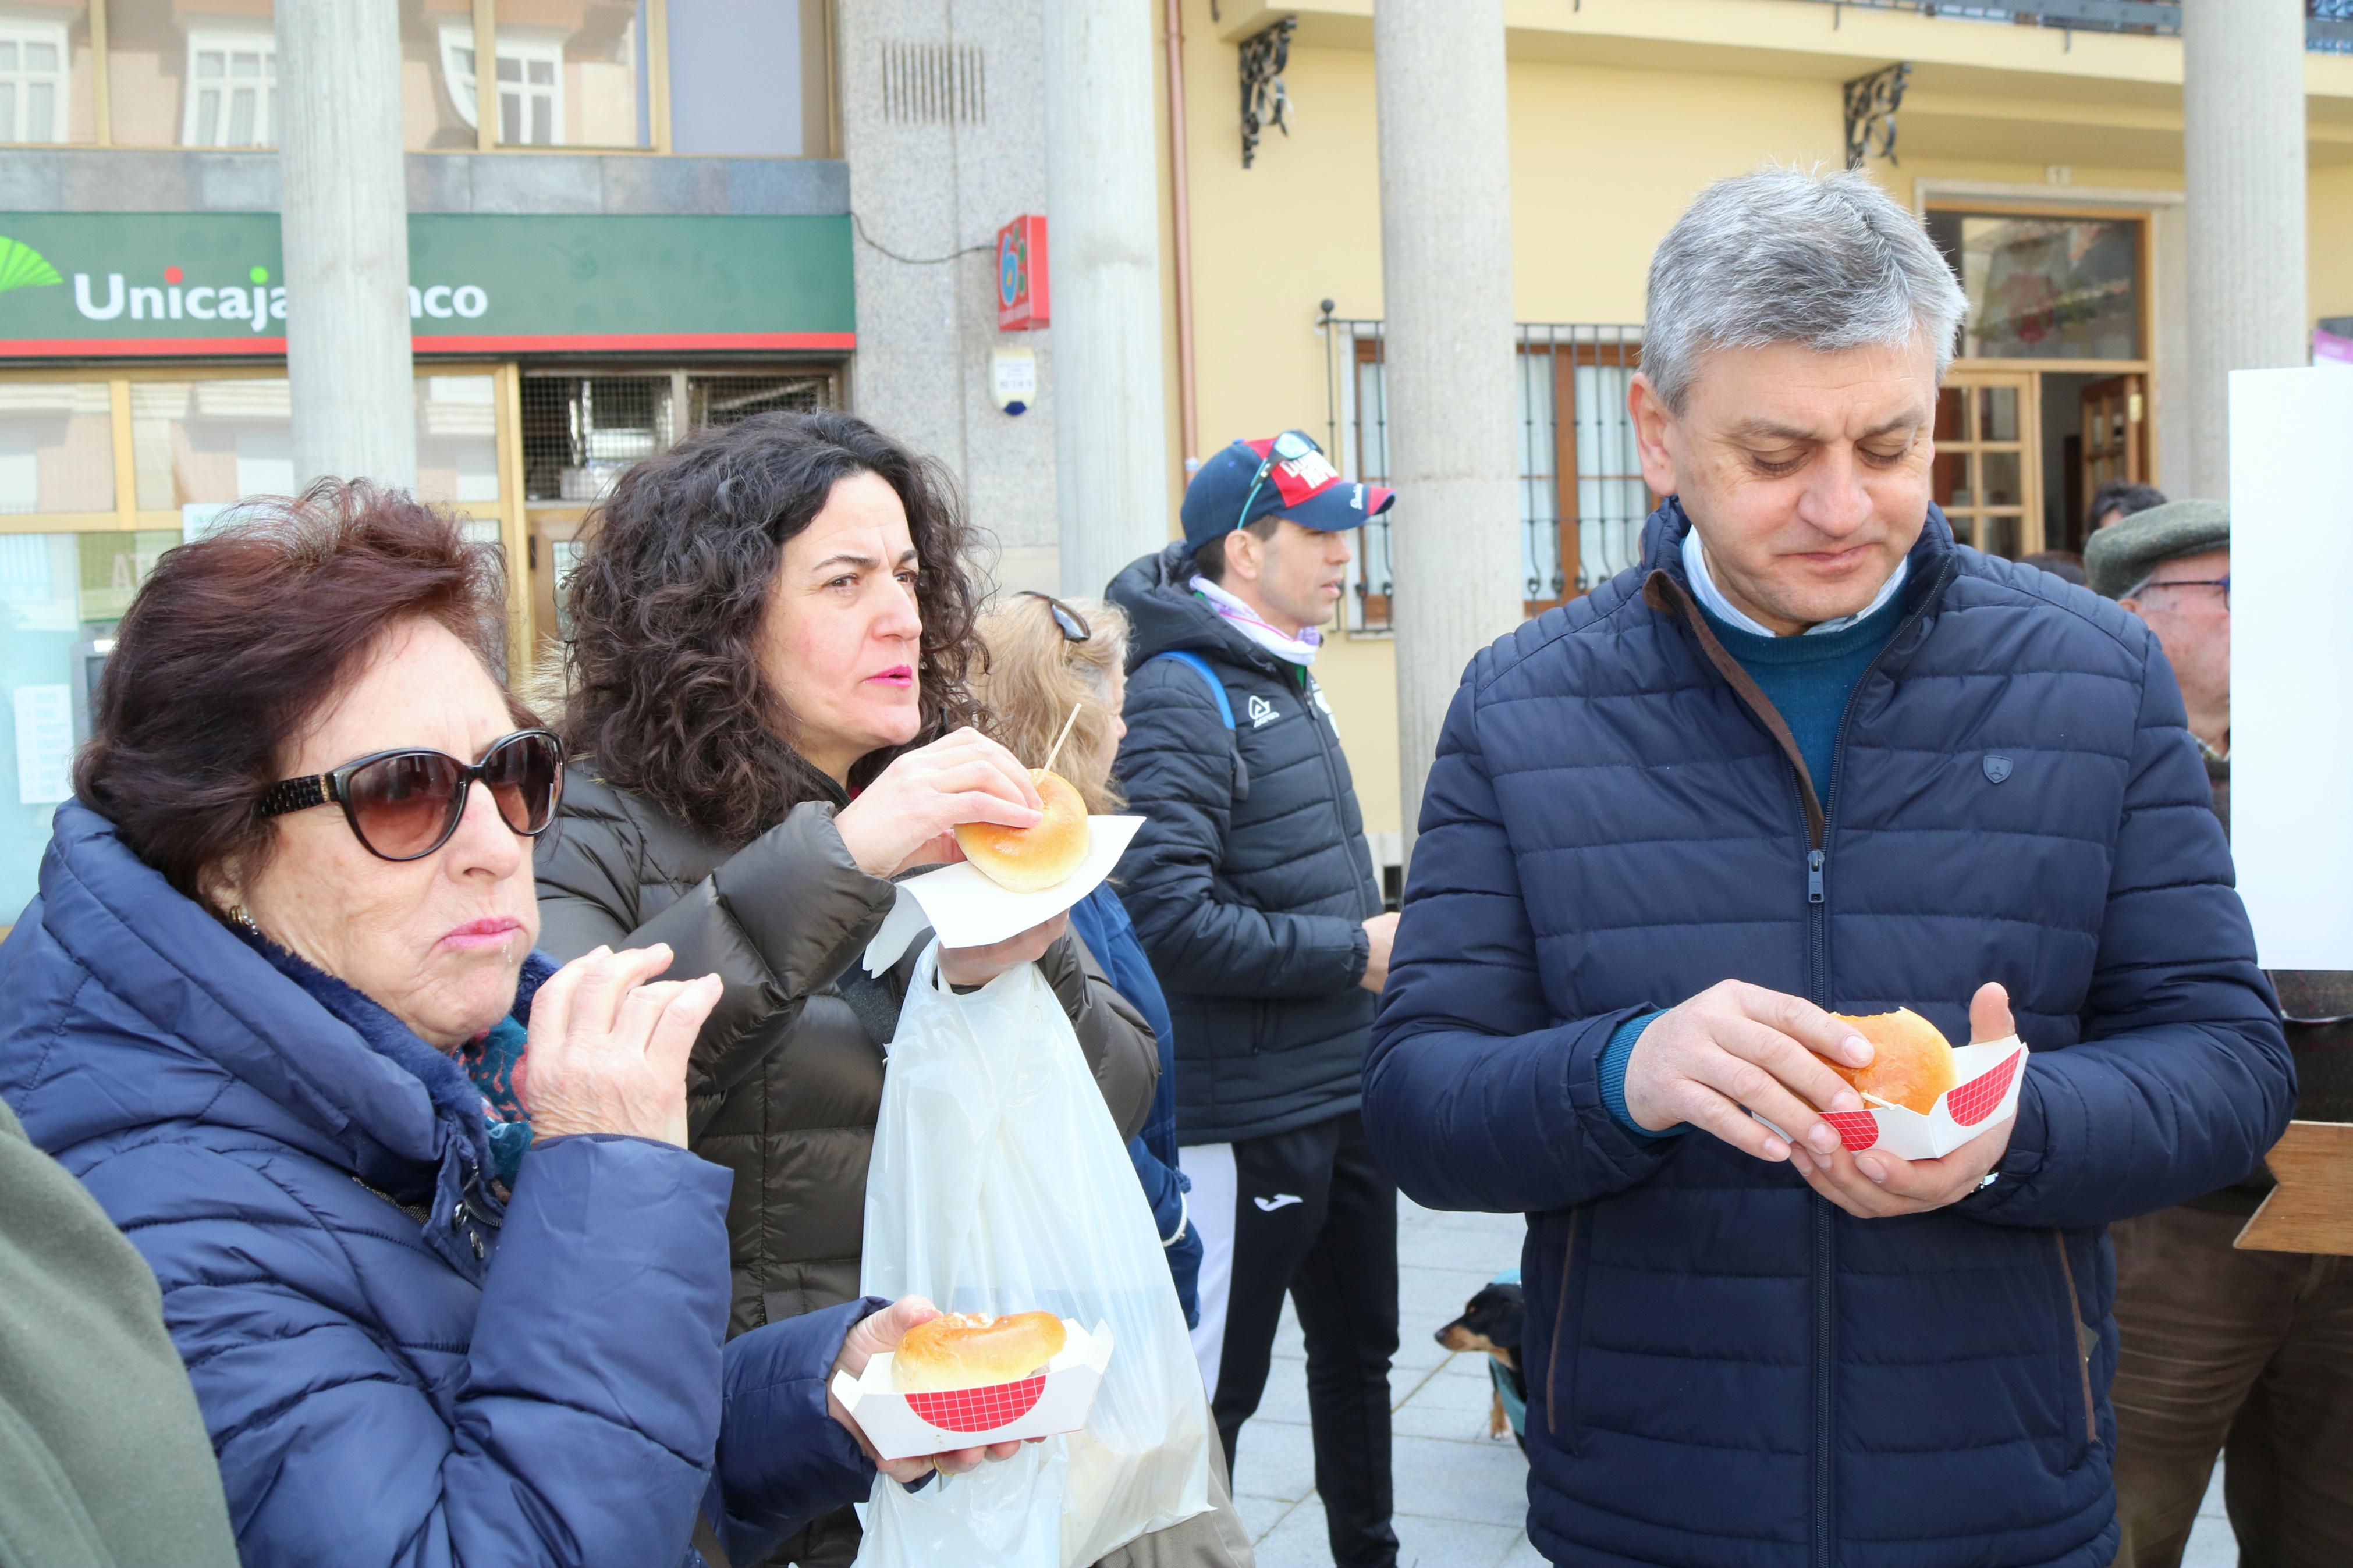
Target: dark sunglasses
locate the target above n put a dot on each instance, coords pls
(404, 804)
(1287, 447)
(1074, 625)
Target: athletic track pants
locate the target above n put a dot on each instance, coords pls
(1308, 1212)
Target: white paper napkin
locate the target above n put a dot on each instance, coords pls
(965, 909)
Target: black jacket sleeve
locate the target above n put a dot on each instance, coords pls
(780, 919)
(1177, 767)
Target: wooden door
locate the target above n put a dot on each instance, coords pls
(2116, 433)
(554, 546)
(1988, 469)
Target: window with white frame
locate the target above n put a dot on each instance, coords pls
(530, 78)
(1582, 498)
(33, 80)
(232, 90)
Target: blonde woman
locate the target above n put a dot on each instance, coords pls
(1045, 656)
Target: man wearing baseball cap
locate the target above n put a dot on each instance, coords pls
(2244, 1355)
(1255, 893)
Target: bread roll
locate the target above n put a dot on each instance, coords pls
(1026, 859)
(972, 1350)
(1912, 1062)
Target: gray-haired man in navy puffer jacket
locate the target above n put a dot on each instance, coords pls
(1813, 756)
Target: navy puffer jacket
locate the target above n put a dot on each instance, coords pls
(1723, 1370)
(395, 1366)
(1251, 881)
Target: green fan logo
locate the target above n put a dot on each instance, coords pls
(22, 266)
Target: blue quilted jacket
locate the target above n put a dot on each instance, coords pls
(395, 1366)
(1723, 1370)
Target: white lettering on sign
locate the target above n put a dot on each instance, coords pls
(257, 305)
(113, 306)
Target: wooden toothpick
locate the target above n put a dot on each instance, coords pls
(1063, 737)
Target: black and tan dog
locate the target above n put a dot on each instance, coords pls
(1491, 1323)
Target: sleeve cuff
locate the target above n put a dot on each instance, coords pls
(1612, 1074)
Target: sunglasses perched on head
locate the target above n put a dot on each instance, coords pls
(1287, 447)
(1073, 625)
(404, 804)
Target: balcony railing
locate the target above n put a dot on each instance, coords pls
(2328, 30)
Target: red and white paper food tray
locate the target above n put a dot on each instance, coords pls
(1984, 1097)
(903, 1426)
(965, 909)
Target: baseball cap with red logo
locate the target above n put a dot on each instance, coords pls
(1285, 475)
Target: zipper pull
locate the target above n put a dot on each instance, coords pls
(1813, 876)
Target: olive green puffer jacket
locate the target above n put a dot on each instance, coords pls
(786, 1080)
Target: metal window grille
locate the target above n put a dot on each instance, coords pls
(580, 432)
(1582, 499)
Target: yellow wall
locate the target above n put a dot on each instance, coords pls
(1603, 160)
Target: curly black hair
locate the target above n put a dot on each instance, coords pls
(666, 697)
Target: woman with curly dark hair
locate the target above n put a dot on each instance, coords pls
(771, 626)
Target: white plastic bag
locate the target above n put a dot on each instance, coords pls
(999, 1184)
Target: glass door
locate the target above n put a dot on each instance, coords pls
(1988, 477)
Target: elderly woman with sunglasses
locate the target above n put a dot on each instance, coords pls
(451, 1288)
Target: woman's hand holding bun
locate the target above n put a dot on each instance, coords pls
(870, 1338)
(908, 816)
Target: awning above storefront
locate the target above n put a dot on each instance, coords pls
(77, 285)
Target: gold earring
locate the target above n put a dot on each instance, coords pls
(244, 917)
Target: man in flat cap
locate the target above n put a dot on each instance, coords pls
(2249, 1354)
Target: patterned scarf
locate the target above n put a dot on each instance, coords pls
(495, 1064)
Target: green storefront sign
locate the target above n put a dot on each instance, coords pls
(81, 284)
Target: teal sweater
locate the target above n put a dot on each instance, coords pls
(1809, 680)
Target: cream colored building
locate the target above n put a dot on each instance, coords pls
(2048, 159)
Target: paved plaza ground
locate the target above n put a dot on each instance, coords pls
(1461, 1497)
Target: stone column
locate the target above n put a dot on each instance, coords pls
(2244, 158)
(1446, 276)
(345, 222)
(1103, 218)
(944, 132)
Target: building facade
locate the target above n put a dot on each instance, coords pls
(649, 215)
(2046, 160)
(638, 222)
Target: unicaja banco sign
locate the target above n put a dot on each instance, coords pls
(255, 302)
(80, 284)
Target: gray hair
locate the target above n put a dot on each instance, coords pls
(1783, 255)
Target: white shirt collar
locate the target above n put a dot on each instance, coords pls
(1724, 610)
(1300, 649)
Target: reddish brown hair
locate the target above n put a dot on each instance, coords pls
(236, 642)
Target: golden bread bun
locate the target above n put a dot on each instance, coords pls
(1026, 859)
(972, 1350)
(1911, 1063)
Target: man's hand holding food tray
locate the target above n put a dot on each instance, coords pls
(1880, 1114)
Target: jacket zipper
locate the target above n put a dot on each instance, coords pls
(1560, 1322)
(1825, 1220)
(1817, 815)
(2075, 1336)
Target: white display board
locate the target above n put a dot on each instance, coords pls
(2292, 662)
